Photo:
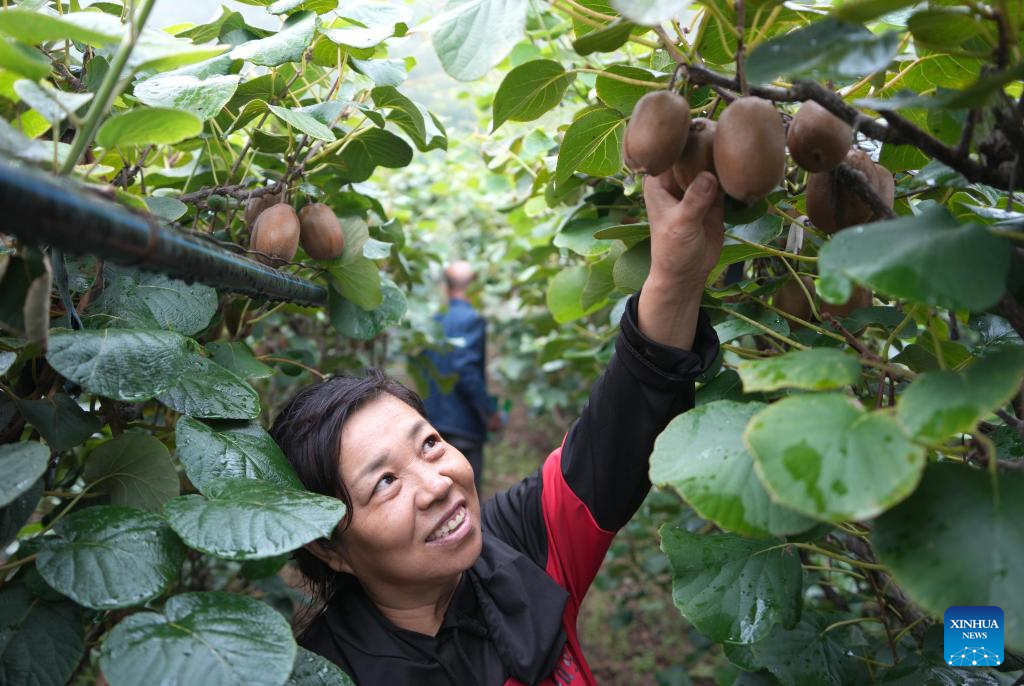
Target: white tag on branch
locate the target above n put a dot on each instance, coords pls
(795, 239)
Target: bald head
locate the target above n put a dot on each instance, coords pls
(457, 277)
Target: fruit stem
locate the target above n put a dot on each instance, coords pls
(589, 12)
(18, 563)
(285, 360)
(764, 328)
(813, 327)
(771, 251)
(841, 558)
(840, 570)
(845, 622)
(896, 332)
(616, 77)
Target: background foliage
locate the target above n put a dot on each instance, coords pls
(844, 479)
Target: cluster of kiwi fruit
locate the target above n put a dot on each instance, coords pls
(746, 150)
(276, 230)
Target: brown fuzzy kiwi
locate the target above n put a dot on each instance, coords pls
(860, 298)
(254, 206)
(276, 232)
(817, 139)
(832, 206)
(791, 299)
(885, 185)
(320, 232)
(750, 149)
(698, 154)
(656, 132)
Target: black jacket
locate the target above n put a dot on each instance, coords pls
(512, 618)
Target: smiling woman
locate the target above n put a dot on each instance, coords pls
(420, 584)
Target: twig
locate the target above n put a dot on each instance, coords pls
(740, 52)
(1017, 424)
(859, 184)
(1012, 311)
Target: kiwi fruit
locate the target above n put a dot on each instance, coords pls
(657, 132)
(276, 232)
(832, 206)
(254, 206)
(817, 139)
(791, 299)
(320, 232)
(860, 298)
(885, 185)
(698, 153)
(750, 149)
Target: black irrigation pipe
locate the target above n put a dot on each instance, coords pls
(43, 210)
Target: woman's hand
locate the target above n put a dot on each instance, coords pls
(687, 234)
(686, 241)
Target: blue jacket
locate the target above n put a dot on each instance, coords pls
(464, 411)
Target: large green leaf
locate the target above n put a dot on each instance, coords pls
(824, 456)
(134, 469)
(201, 638)
(231, 449)
(20, 465)
(732, 588)
(245, 519)
(578, 235)
(109, 556)
(624, 96)
(734, 327)
(606, 39)
(42, 642)
(940, 404)
(202, 97)
(369, 149)
(826, 49)
(530, 90)
(207, 390)
(701, 455)
(927, 258)
(355, 322)
(592, 144)
(313, 670)
(817, 369)
(235, 356)
(805, 655)
(91, 28)
(565, 295)
(148, 126)
(134, 299)
(471, 36)
(650, 12)
(54, 105)
(15, 514)
(959, 541)
(59, 420)
(22, 60)
(358, 279)
(286, 45)
(865, 10)
(632, 267)
(304, 122)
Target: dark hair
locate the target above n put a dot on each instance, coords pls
(308, 430)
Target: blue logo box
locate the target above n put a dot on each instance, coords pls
(973, 636)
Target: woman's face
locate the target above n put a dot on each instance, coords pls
(415, 511)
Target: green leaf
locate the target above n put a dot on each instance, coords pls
(628, 233)
(369, 149)
(381, 72)
(824, 456)
(731, 588)
(134, 299)
(358, 279)
(565, 295)
(600, 279)
(235, 356)
(43, 641)
(624, 96)
(20, 465)
(207, 390)
(735, 326)
(606, 39)
(376, 13)
(318, 6)
(204, 98)
(817, 369)
(355, 322)
(358, 37)
(92, 28)
(650, 12)
(245, 519)
(827, 49)
(59, 420)
(928, 258)
(148, 126)
(943, 28)
(122, 364)
(530, 90)
(14, 515)
(404, 111)
(313, 670)
(941, 404)
(286, 45)
(107, 556)
(592, 144)
(866, 10)
(168, 209)
(201, 638)
(22, 60)
(958, 541)
(805, 655)
(632, 267)
(6, 360)
(134, 469)
(977, 93)
(303, 122)
(701, 455)
(578, 236)
(471, 36)
(213, 450)
(54, 105)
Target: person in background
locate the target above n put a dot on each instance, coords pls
(464, 415)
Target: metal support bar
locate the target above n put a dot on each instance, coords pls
(42, 210)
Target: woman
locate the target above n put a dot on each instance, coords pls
(423, 585)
